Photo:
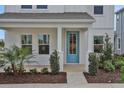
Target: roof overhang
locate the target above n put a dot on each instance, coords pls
(6, 23)
(8, 20)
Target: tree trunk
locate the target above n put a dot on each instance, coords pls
(14, 69)
(21, 68)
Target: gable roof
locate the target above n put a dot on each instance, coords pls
(46, 16)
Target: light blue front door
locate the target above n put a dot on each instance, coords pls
(72, 47)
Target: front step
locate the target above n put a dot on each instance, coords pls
(74, 67)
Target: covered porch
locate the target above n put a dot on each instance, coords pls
(70, 42)
(70, 37)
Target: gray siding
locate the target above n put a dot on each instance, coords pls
(120, 32)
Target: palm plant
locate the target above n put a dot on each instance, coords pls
(10, 56)
(24, 56)
(19, 56)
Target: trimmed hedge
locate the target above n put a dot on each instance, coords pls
(93, 66)
(54, 62)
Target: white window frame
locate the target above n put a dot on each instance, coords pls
(25, 35)
(118, 43)
(42, 8)
(98, 13)
(44, 44)
(27, 43)
(97, 44)
(26, 8)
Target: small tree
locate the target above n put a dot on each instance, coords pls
(107, 51)
(54, 62)
(1, 43)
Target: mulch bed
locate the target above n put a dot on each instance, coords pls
(33, 78)
(104, 77)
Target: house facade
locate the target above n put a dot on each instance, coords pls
(73, 30)
(119, 33)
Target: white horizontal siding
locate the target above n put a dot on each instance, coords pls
(13, 37)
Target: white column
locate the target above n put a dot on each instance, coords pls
(59, 46)
(59, 38)
(89, 49)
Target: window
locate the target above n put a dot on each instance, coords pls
(72, 41)
(118, 44)
(43, 40)
(98, 9)
(26, 41)
(117, 17)
(26, 6)
(98, 44)
(42, 6)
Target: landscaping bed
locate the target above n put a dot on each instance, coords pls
(33, 78)
(104, 77)
(104, 65)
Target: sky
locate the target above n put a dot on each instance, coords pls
(1, 31)
(117, 7)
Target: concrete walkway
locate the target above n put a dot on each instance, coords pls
(75, 80)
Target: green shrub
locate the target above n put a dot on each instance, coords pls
(101, 65)
(45, 71)
(122, 73)
(93, 66)
(54, 62)
(2, 63)
(119, 64)
(122, 69)
(2, 43)
(33, 71)
(108, 66)
(118, 58)
(122, 77)
(101, 61)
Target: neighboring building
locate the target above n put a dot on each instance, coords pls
(73, 30)
(119, 34)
